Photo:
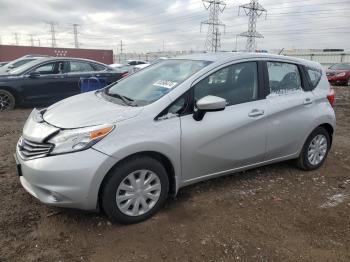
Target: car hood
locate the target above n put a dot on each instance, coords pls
(87, 109)
(337, 71)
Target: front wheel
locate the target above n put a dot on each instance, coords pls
(7, 100)
(135, 190)
(315, 150)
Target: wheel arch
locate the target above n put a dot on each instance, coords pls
(12, 91)
(329, 129)
(163, 159)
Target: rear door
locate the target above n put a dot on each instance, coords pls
(289, 108)
(76, 70)
(229, 139)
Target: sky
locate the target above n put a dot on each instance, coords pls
(173, 25)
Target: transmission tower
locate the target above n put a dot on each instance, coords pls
(215, 7)
(254, 10)
(53, 33)
(16, 38)
(75, 32)
(31, 39)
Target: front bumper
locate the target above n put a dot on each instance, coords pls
(69, 180)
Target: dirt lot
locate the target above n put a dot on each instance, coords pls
(274, 213)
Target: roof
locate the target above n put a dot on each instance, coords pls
(54, 58)
(231, 56)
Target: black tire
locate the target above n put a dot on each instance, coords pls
(118, 174)
(303, 161)
(7, 100)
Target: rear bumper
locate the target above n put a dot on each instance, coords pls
(69, 180)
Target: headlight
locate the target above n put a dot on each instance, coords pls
(341, 74)
(78, 139)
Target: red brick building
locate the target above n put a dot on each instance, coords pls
(11, 52)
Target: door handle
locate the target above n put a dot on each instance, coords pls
(308, 101)
(256, 113)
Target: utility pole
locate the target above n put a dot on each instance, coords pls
(121, 50)
(53, 33)
(39, 43)
(254, 10)
(75, 32)
(16, 38)
(215, 7)
(31, 39)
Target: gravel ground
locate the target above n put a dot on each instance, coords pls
(273, 213)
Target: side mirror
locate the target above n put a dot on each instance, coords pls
(208, 104)
(34, 74)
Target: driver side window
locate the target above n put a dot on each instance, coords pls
(47, 69)
(50, 68)
(236, 83)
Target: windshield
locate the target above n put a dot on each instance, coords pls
(21, 69)
(151, 83)
(340, 67)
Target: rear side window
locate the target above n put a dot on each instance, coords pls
(314, 75)
(283, 77)
(76, 66)
(98, 67)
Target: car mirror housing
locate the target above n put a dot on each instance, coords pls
(33, 74)
(208, 104)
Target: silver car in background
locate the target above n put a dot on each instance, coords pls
(126, 148)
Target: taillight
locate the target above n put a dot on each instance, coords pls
(331, 96)
(124, 74)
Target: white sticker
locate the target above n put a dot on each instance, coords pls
(165, 83)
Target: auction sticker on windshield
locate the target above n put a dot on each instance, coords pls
(165, 83)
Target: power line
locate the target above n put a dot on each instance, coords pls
(215, 7)
(254, 10)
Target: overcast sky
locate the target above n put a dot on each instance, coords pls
(144, 25)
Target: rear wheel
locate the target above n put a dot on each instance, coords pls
(7, 100)
(135, 190)
(315, 150)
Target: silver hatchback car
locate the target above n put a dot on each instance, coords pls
(124, 149)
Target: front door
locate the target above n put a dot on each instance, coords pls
(46, 84)
(225, 140)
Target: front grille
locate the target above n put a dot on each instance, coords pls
(30, 150)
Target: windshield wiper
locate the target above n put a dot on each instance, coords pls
(127, 100)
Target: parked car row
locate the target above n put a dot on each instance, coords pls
(133, 66)
(46, 80)
(339, 74)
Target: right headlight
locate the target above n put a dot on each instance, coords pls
(72, 140)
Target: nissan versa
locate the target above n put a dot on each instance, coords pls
(124, 149)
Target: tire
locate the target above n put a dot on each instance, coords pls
(135, 171)
(7, 100)
(311, 148)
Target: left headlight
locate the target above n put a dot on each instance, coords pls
(72, 140)
(341, 74)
